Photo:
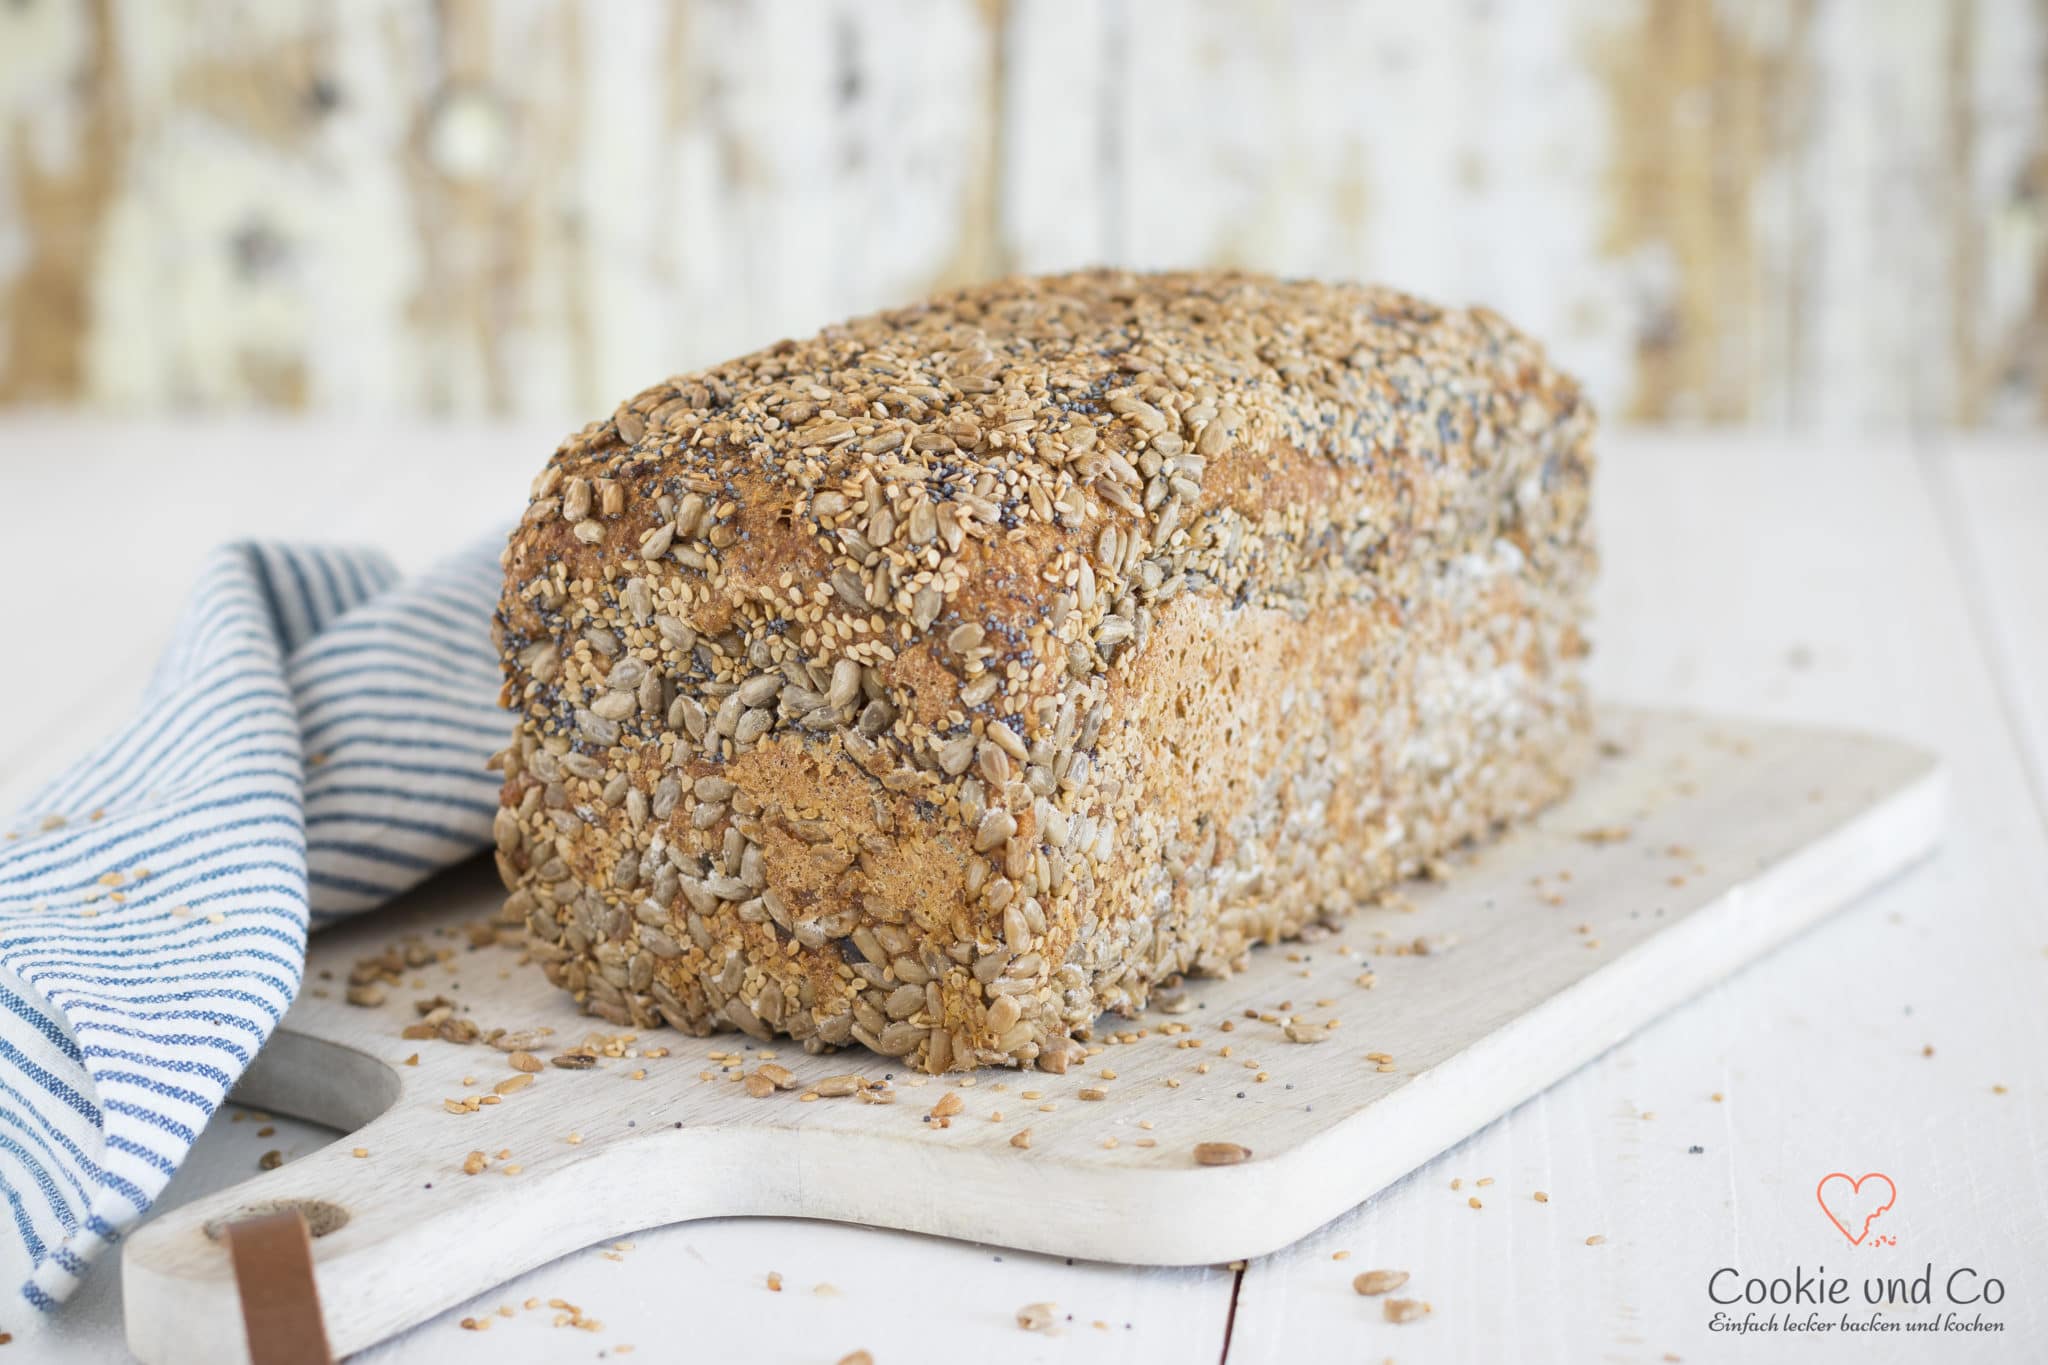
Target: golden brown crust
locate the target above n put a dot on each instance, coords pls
(948, 678)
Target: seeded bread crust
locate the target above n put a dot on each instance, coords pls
(966, 671)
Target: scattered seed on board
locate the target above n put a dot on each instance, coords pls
(1403, 1310)
(1221, 1153)
(525, 1040)
(1379, 1281)
(1037, 1317)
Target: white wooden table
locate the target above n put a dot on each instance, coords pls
(1896, 584)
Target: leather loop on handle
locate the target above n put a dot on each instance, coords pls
(273, 1260)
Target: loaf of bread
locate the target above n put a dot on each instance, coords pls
(964, 672)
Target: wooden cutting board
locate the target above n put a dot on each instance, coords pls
(1695, 846)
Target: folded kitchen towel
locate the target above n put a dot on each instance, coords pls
(313, 742)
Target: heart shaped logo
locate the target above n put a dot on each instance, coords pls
(1851, 1203)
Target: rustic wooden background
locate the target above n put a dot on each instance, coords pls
(1808, 213)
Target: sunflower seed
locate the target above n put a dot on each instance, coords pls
(576, 501)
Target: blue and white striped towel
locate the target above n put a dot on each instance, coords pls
(312, 743)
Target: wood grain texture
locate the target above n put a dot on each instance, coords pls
(1815, 214)
(1992, 493)
(1778, 826)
